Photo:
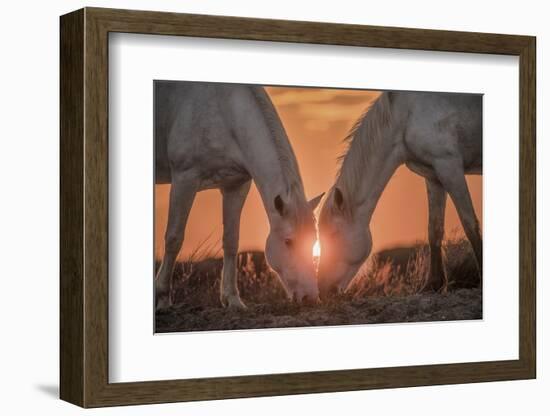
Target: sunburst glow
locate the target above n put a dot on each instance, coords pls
(316, 249)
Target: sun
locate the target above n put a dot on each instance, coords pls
(316, 249)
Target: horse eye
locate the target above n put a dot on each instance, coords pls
(288, 242)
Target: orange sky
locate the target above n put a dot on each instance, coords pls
(316, 120)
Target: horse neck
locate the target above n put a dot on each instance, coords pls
(269, 158)
(371, 160)
(272, 179)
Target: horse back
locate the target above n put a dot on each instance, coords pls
(442, 125)
(195, 128)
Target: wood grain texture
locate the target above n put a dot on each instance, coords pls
(527, 208)
(84, 202)
(96, 217)
(71, 213)
(162, 23)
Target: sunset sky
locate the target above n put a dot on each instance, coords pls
(316, 120)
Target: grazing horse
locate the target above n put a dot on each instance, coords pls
(213, 135)
(438, 136)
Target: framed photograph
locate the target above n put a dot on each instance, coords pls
(256, 207)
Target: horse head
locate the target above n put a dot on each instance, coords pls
(346, 242)
(289, 246)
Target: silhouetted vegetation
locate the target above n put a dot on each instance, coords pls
(387, 289)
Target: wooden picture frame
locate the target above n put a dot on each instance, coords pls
(84, 207)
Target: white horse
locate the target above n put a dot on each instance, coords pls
(212, 135)
(438, 136)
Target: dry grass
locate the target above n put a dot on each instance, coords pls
(197, 280)
(386, 290)
(402, 271)
(399, 271)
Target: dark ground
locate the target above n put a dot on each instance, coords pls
(387, 291)
(459, 305)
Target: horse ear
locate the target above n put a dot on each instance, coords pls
(279, 205)
(338, 198)
(315, 201)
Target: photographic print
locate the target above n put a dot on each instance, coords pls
(287, 206)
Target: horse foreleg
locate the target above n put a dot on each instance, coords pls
(436, 206)
(182, 194)
(233, 201)
(451, 175)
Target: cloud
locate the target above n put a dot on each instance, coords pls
(330, 105)
(292, 96)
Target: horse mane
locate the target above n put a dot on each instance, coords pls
(286, 156)
(363, 139)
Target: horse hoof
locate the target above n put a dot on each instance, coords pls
(234, 303)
